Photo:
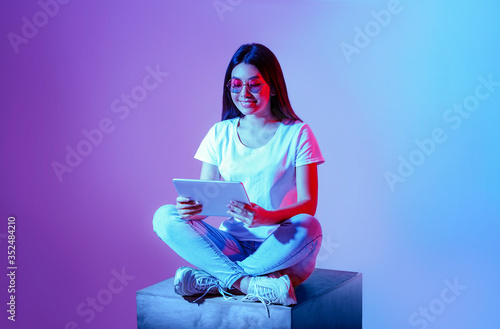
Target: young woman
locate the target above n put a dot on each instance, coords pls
(266, 248)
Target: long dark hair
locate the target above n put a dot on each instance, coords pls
(266, 62)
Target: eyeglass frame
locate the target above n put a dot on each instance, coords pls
(228, 85)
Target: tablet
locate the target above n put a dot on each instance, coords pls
(214, 195)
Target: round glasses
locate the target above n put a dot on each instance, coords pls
(236, 85)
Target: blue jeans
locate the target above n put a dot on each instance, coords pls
(291, 249)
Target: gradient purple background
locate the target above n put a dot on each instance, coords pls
(442, 223)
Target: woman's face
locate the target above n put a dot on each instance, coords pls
(248, 77)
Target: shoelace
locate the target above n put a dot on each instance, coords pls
(263, 299)
(204, 281)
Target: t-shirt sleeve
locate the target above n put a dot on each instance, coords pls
(307, 148)
(206, 151)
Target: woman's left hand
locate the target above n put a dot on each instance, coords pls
(252, 215)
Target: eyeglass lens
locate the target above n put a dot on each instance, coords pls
(236, 85)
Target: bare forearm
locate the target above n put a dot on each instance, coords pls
(280, 215)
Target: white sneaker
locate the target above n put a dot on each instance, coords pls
(189, 281)
(270, 290)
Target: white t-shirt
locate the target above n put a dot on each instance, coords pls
(267, 172)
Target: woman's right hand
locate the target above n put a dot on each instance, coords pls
(188, 209)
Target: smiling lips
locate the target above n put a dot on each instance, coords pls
(247, 102)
